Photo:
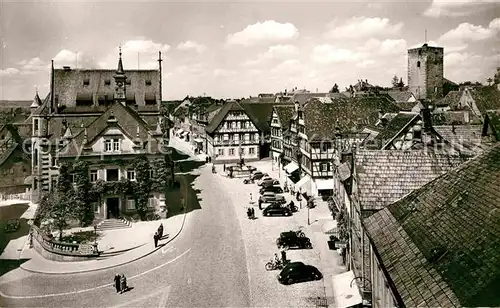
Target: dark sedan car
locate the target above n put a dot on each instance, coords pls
(274, 189)
(298, 272)
(275, 209)
(270, 183)
(257, 175)
(291, 240)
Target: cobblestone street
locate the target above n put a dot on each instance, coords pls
(260, 240)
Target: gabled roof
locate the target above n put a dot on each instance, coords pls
(468, 136)
(285, 114)
(219, 117)
(451, 99)
(385, 176)
(486, 98)
(400, 96)
(394, 127)
(126, 120)
(344, 115)
(441, 244)
(260, 114)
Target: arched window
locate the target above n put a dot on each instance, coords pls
(418, 63)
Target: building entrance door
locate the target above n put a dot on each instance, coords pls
(113, 205)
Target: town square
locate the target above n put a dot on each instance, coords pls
(249, 154)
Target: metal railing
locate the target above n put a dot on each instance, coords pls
(20, 196)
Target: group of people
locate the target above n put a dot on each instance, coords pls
(121, 283)
(158, 235)
(251, 213)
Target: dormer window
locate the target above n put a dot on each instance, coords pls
(418, 63)
(148, 82)
(112, 145)
(128, 82)
(107, 82)
(86, 82)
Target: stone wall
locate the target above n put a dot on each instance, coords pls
(56, 251)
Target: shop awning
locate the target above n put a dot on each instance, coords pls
(302, 182)
(198, 140)
(330, 227)
(291, 167)
(345, 290)
(324, 184)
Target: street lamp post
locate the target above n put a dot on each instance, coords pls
(308, 219)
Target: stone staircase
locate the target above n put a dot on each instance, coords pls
(112, 224)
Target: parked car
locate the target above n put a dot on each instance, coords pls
(265, 178)
(272, 210)
(271, 197)
(270, 183)
(257, 175)
(291, 240)
(274, 189)
(298, 272)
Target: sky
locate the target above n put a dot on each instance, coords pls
(235, 49)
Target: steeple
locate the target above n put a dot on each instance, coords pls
(120, 81)
(36, 101)
(120, 71)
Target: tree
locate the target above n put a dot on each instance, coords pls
(395, 81)
(62, 201)
(343, 224)
(143, 185)
(83, 202)
(334, 89)
(401, 84)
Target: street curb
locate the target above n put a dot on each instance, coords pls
(119, 264)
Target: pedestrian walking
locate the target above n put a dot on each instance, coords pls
(160, 231)
(251, 199)
(117, 282)
(155, 238)
(123, 284)
(283, 256)
(253, 213)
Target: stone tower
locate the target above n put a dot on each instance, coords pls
(425, 72)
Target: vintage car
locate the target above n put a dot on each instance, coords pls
(291, 240)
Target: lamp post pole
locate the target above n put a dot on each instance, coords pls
(308, 218)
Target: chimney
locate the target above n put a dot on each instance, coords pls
(426, 118)
(296, 104)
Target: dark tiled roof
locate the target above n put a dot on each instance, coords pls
(445, 238)
(400, 96)
(451, 99)
(486, 98)
(468, 136)
(262, 100)
(219, 117)
(285, 114)
(408, 106)
(212, 108)
(259, 114)
(301, 98)
(323, 121)
(386, 176)
(493, 118)
(399, 122)
(127, 121)
(455, 118)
